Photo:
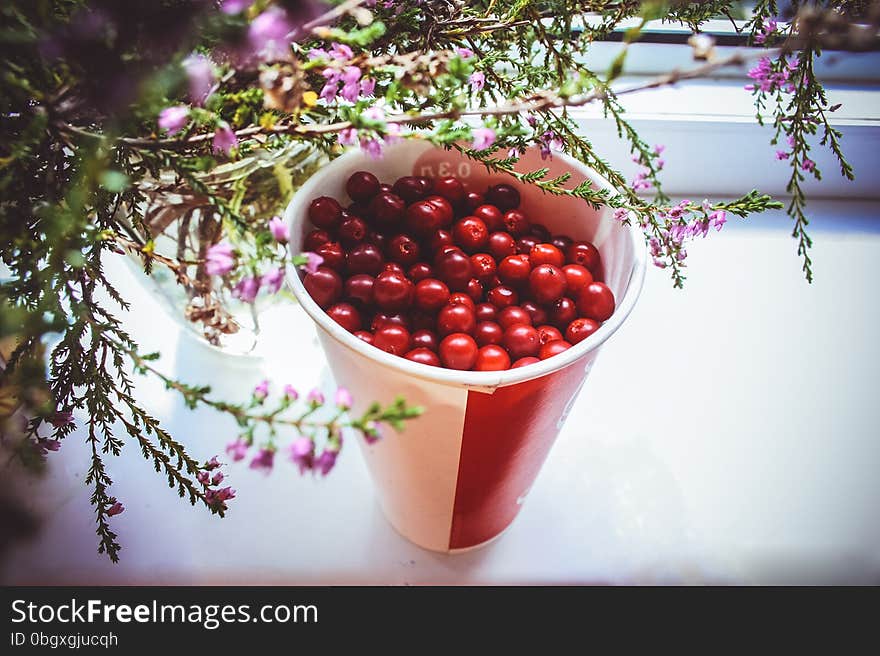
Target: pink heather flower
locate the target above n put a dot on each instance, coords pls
(372, 147)
(302, 453)
(659, 148)
(115, 508)
(483, 138)
(221, 495)
(174, 119)
(464, 53)
(61, 419)
(317, 53)
(368, 86)
(261, 390)
(659, 263)
(273, 279)
(238, 449)
(219, 259)
(660, 163)
(718, 219)
(477, 80)
(201, 78)
(290, 392)
(246, 289)
(343, 399)
(340, 52)
(213, 464)
(371, 432)
(348, 137)
(315, 396)
(313, 261)
(326, 461)
(235, 6)
(781, 154)
(790, 140)
(279, 229)
(204, 478)
(45, 445)
(268, 34)
(224, 139)
(218, 478)
(263, 461)
(808, 164)
(620, 214)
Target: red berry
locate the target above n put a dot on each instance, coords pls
(540, 233)
(392, 291)
(579, 329)
(423, 356)
(450, 188)
(502, 296)
(334, 256)
(485, 312)
(561, 242)
(324, 286)
(378, 239)
(563, 312)
(504, 196)
(585, 254)
(521, 340)
(514, 270)
(356, 209)
(512, 315)
(345, 315)
(384, 187)
(576, 278)
(501, 245)
(315, 238)
(353, 230)
(472, 200)
(421, 320)
(455, 319)
(364, 336)
(392, 339)
(394, 267)
(440, 239)
(460, 298)
(387, 211)
(548, 334)
(420, 271)
(483, 265)
(491, 216)
(425, 338)
(325, 212)
(431, 294)
(365, 258)
(516, 223)
(454, 268)
(458, 351)
(596, 301)
(471, 234)
(547, 283)
(403, 250)
(362, 186)
(412, 188)
(492, 358)
(537, 314)
(474, 289)
(360, 288)
(546, 254)
(524, 245)
(381, 319)
(555, 347)
(425, 216)
(522, 362)
(488, 332)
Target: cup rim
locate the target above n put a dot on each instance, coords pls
(484, 380)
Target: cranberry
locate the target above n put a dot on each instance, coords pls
(546, 254)
(596, 301)
(491, 216)
(471, 234)
(502, 296)
(548, 334)
(325, 212)
(454, 268)
(472, 200)
(362, 186)
(421, 320)
(492, 358)
(423, 356)
(485, 312)
(353, 230)
(483, 265)
(315, 238)
(394, 267)
(455, 319)
(381, 319)
(360, 210)
(378, 239)
(365, 258)
(345, 315)
(579, 329)
(431, 294)
(555, 347)
(425, 216)
(576, 278)
(512, 315)
(334, 256)
(585, 254)
(387, 211)
(364, 336)
(392, 339)
(460, 298)
(522, 362)
(540, 232)
(384, 187)
(392, 291)
(501, 245)
(425, 338)
(458, 351)
(547, 283)
(514, 269)
(450, 188)
(360, 288)
(441, 238)
(521, 340)
(403, 250)
(561, 242)
(412, 188)
(537, 314)
(563, 312)
(504, 196)
(324, 286)
(488, 332)
(524, 245)
(420, 271)
(517, 223)
(474, 289)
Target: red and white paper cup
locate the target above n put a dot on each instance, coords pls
(456, 478)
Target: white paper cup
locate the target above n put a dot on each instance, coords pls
(455, 479)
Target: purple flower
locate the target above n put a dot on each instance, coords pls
(238, 449)
(290, 392)
(317, 53)
(808, 164)
(273, 279)
(61, 419)
(326, 461)
(302, 453)
(340, 51)
(213, 464)
(368, 86)
(261, 391)
(174, 119)
(371, 432)
(343, 399)
(204, 478)
(218, 478)
(263, 461)
(224, 139)
(115, 508)
(45, 445)
(620, 214)
(219, 259)
(718, 219)
(247, 289)
(235, 6)
(483, 138)
(477, 80)
(200, 74)
(659, 148)
(268, 34)
(315, 396)
(348, 137)
(464, 53)
(781, 154)
(313, 261)
(279, 229)
(219, 496)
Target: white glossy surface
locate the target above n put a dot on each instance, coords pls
(727, 433)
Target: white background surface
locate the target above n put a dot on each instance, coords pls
(728, 434)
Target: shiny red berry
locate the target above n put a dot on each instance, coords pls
(381, 319)
(345, 315)
(325, 212)
(420, 271)
(431, 294)
(333, 254)
(521, 340)
(516, 223)
(485, 312)
(387, 211)
(353, 230)
(546, 254)
(547, 283)
(362, 186)
(512, 315)
(576, 278)
(359, 287)
(474, 289)
(392, 291)
(501, 245)
(425, 338)
(315, 238)
(454, 268)
(471, 234)
(502, 296)
(579, 329)
(423, 356)
(324, 286)
(514, 270)
(561, 242)
(488, 332)
(450, 188)
(440, 239)
(364, 336)
(458, 351)
(491, 216)
(472, 200)
(428, 215)
(537, 314)
(412, 188)
(596, 301)
(455, 319)
(540, 233)
(392, 339)
(523, 362)
(504, 196)
(403, 249)
(365, 258)
(524, 245)
(585, 254)
(492, 358)
(563, 312)
(484, 266)
(547, 333)
(394, 267)
(555, 347)
(461, 298)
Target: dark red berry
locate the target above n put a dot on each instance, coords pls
(458, 351)
(513, 315)
(514, 270)
(488, 332)
(537, 314)
(484, 266)
(315, 238)
(454, 268)
(392, 339)
(455, 319)
(345, 315)
(555, 347)
(485, 312)
(502, 296)
(431, 294)
(585, 254)
(381, 319)
(540, 233)
(472, 200)
(524, 245)
(353, 230)
(419, 271)
(403, 250)
(325, 212)
(501, 245)
(450, 188)
(364, 336)
(324, 286)
(471, 234)
(365, 258)
(516, 223)
(579, 329)
(596, 301)
(359, 287)
(423, 356)
(547, 283)
(504, 196)
(521, 340)
(440, 239)
(492, 358)
(334, 256)
(523, 362)
(561, 242)
(491, 216)
(412, 188)
(461, 298)
(548, 333)
(387, 211)
(563, 312)
(362, 186)
(392, 291)
(425, 338)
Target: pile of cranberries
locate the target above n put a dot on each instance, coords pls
(427, 271)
